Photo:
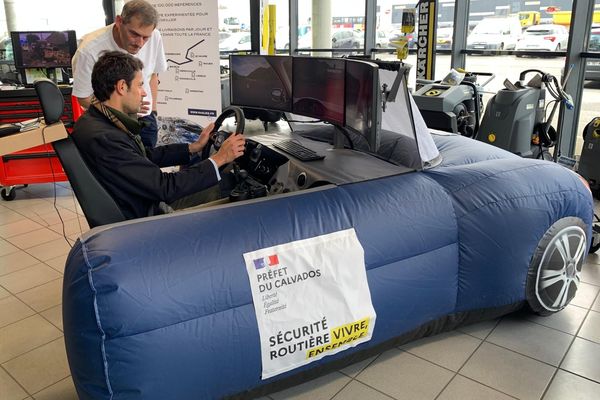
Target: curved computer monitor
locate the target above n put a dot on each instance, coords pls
(362, 101)
(43, 49)
(261, 81)
(318, 88)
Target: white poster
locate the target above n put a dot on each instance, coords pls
(311, 299)
(191, 88)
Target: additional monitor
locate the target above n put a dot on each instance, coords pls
(319, 88)
(43, 49)
(261, 81)
(362, 100)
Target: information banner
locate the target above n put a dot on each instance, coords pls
(191, 88)
(426, 39)
(311, 299)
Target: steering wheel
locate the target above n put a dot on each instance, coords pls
(217, 137)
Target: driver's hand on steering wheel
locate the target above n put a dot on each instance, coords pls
(232, 148)
(199, 144)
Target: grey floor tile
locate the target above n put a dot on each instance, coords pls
(533, 340)
(508, 372)
(54, 316)
(50, 250)
(12, 310)
(596, 306)
(28, 278)
(16, 261)
(18, 228)
(462, 388)
(582, 359)
(572, 387)
(41, 367)
(568, 320)
(479, 330)
(450, 349)
(403, 376)
(58, 263)
(590, 273)
(8, 216)
(591, 327)
(7, 248)
(9, 388)
(586, 295)
(63, 390)
(358, 391)
(43, 297)
(323, 388)
(34, 238)
(25, 335)
(356, 368)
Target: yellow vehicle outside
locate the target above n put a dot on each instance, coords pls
(529, 18)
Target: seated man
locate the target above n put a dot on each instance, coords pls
(109, 142)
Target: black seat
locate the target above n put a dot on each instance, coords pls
(97, 204)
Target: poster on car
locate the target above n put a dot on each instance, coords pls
(311, 299)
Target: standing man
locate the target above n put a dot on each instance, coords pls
(133, 32)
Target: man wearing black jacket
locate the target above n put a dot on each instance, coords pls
(110, 144)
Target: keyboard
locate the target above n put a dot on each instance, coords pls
(297, 150)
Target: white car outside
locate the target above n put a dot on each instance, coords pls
(237, 41)
(495, 33)
(544, 38)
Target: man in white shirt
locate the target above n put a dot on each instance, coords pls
(133, 32)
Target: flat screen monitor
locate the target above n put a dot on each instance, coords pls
(362, 101)
(43, 49)
(261, 81)
(319, 88)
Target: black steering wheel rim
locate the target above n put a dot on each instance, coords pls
(239, 128)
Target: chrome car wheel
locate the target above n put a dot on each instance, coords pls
(554, 273)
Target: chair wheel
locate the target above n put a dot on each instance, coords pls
(8, 194)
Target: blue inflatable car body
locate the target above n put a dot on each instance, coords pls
(161, 308)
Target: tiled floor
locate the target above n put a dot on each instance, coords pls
(519, 356)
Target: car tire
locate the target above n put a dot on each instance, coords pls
(554, 272)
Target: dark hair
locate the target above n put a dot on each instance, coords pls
(141, 9)
(111, 67)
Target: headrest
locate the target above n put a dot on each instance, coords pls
(51, 100)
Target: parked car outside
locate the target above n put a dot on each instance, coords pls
(6, 50)
(592, 70)
(543, 38)
(410, 37)
(237, 41)
(345, 39)
(382, 41)
(444, 38)
(495, 34)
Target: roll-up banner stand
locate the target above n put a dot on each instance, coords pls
(190, 90)
(427, 10)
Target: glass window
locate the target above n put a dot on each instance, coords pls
(234, 22)
(343, 31)
(389, 23)
(42, 15)
(590, 102)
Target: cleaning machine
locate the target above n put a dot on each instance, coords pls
(515, 118)
(589, 163)
(453, 104)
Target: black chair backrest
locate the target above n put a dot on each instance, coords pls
(51, 100)
(97, 204)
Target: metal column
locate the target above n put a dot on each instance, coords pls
(370, 26)
(459, 36)
(581, 22)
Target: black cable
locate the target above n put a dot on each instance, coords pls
(49, 155)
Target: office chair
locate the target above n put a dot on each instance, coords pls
(97, 204)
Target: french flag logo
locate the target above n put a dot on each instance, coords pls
(270, 261)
